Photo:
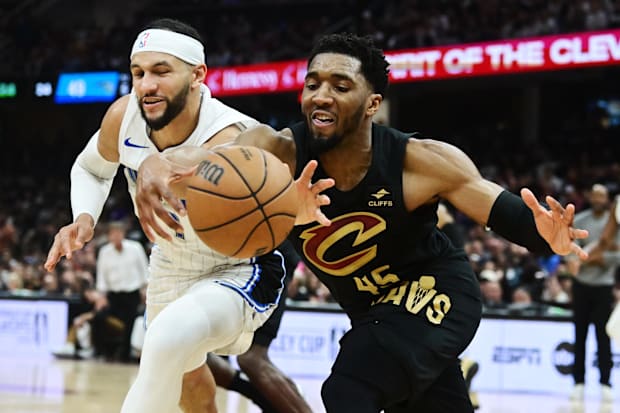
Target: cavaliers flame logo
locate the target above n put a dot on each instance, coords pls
(319, 239)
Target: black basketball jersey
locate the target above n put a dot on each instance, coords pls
(373, 244)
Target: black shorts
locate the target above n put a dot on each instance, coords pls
(269, 330)
(414, 362)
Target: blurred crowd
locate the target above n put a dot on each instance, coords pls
(31, 45)
(32, 209)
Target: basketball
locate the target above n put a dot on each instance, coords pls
(242, 201)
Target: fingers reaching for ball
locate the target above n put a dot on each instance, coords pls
(154, 187)
(310, 196)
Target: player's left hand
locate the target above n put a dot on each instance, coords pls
(310, 198)
(555, 225)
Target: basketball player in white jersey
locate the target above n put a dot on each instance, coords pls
(198, 301)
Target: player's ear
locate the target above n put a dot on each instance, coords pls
(199, 74)
(374, 101)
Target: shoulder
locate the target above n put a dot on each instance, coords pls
(213, 108)
(115, 113)
(437, 158)
(432, 147)
(112, 120)
(434, 169)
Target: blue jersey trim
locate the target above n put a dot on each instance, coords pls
(133, 174)
(249, 286)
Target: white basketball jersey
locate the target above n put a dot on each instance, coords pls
(186, 254)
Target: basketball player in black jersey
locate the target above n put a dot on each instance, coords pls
(412, 297)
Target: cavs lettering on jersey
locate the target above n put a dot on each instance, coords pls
(375, 251)
(186, 254)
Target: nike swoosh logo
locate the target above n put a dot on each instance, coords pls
(133, 145)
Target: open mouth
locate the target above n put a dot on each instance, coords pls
(321, 118)
(151, 101)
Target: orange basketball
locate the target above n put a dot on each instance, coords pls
(242, 201)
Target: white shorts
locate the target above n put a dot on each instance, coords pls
(165, 289)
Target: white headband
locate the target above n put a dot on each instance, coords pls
(176, 44)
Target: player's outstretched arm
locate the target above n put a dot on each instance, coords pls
(440, 170)
(92, 175)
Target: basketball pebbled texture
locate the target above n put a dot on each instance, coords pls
(242, 201)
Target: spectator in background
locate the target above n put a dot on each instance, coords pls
(566, 282)
(122, 267)
(491, 294)
(69, 282)
(522, 297)
(8, 233)
(49, 284)
(305, 286)
(553, 292)
(592, 294)
(13, 282)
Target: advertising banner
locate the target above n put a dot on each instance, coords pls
(500, 57)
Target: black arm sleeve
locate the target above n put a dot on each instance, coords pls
(513, 220)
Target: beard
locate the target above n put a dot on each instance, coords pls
(174, 106)
(321, 144)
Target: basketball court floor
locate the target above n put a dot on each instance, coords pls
(36, 385)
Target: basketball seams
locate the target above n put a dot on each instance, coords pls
(283, 190)
(236, 227)
(245, 181)
(252, 192)
(236, 218)
(219, 195)
(282, 214)
(247, 239)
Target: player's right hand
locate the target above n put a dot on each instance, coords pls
(157, 177)
(70, 238)
(310, 197)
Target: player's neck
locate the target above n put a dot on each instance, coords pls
(181, 127)
(356, 149)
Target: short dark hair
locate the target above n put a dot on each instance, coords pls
(176, 26)
(374, 65)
